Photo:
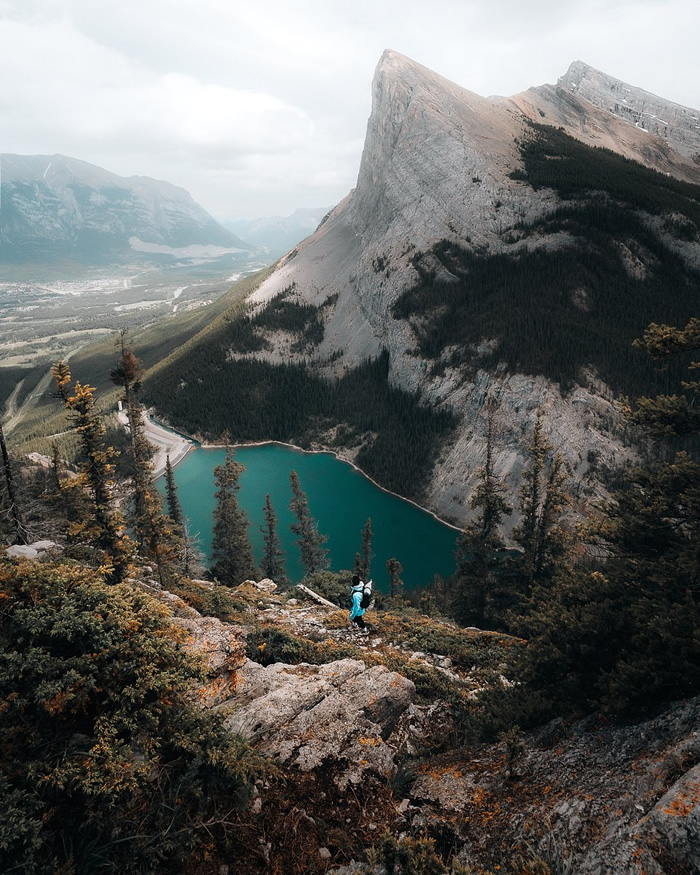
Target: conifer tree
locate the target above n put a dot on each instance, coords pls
(67, 495)
(232, 553)
(543, 497)
(365, 557)
(394, 567)
(357, 565)
(21, 535)
(480, 545)
(157, 540)
(677, 414)
(314, 556)
(272, 565)
(192, 559)
(625, 635)
(106, 528)
(653, 534)
(174, 506)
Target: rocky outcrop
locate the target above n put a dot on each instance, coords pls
(673, 825)
(341, 714)
(305, 716)
(597, 798)
(35, 550)
(593, 797)
(677, 125)
(590, 799)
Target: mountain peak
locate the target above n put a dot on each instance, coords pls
(678, 125)
(55, 207)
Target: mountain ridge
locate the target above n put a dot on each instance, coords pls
(445, 170)
(55, 207)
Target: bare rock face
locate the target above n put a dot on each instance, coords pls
(341, 713)
(305, 715)
(673, 824)
(437, 165)
(36, 550)
(589, 798)
(223, 647)
(678, 125)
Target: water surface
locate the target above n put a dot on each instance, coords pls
(340, 500)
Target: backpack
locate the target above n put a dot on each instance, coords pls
(366, 595)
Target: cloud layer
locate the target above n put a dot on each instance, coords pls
(259, 109)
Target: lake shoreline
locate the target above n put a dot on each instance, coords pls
(340, 458)
(188, 442)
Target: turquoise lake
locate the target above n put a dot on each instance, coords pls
(340, 499)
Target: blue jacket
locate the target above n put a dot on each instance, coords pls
(356, 594)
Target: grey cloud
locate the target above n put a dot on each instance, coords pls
(252, 105)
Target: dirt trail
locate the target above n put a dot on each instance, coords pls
(11, 403)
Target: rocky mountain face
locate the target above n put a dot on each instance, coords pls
(54, 208)
(679, 126)
(445, 199)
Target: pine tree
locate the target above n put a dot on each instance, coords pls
(652, 533)
(272, 565)
(314, 556)
(480, 547)
(670, 414)
(106, 528)
(394, 567)
(21, 535)
(68, 498)
(192, 558)
(357, 565)
(543, 497)
(156, 538)
(625, 635)
(174, 506)
(363, 566)
(232, 553)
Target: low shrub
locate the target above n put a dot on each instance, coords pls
(105, 762)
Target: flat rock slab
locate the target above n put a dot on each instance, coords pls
(223, 647)
(674, 823)
(32, 551)
(307, 715)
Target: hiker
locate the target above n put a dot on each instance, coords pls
(361, 595)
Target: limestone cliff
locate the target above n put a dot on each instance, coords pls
(438, 165)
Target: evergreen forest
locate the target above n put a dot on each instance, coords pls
(210, 394)
(555, 310)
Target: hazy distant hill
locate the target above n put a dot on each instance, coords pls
(56, 209)
(278, 234)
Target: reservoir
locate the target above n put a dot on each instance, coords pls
(340, 500)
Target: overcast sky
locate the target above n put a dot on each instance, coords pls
(260, 107)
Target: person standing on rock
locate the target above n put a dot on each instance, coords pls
(357, 612)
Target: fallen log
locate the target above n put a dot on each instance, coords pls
(316, 597)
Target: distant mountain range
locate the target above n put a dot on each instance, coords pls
(276, 235)
(55, 209)
(506, 248)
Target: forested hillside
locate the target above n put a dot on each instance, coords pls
(210, 394)
(575, 288)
